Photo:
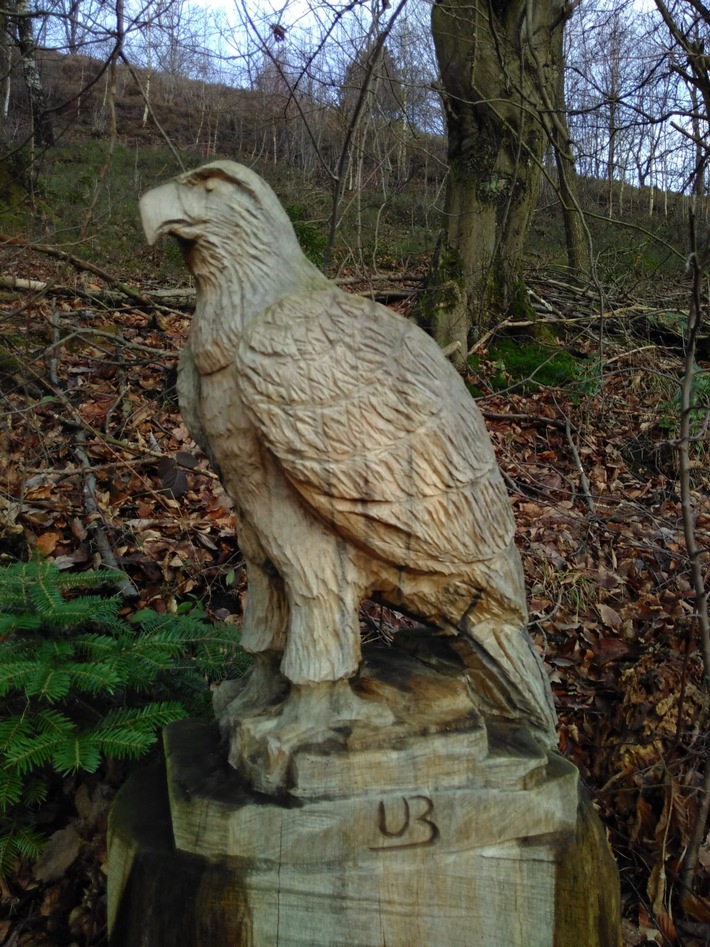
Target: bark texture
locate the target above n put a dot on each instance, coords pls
(499, 64)
(42, 130)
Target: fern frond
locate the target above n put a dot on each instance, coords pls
(9, 856)
(87, 610)
(45, 597)
(93, 579)
(220, 655)
(31, 593)
(151, 657)
(96, 645)
(29, 842)
(10, 624)
(54, 650)
(20, 577)
(67, 656)
(15, 647)
(160, 650)
(14, 728)
(185, 628)
(17, 581)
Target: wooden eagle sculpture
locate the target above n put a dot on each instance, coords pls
(358, 463)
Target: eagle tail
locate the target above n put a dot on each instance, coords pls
(507, 674)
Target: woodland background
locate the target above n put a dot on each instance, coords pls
(597, 393)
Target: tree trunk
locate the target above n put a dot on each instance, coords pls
(5, 72)
(42, 130)
(578, 250)
(492, 58)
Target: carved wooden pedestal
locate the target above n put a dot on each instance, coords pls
(468, 837)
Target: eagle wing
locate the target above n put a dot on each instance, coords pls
(375, 430)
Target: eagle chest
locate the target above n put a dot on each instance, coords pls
(234, 440)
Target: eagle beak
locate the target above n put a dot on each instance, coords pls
(161, 212)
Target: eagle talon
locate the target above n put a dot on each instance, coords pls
(262, 746)
(263, 686)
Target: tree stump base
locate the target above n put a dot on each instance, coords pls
(389, 846)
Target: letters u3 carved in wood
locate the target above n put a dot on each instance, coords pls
(400, 828)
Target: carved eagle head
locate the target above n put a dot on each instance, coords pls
(238, 243)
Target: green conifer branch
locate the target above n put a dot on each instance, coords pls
(74, 680)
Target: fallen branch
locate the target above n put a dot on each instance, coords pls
(583, 482)
(85, 332)
(142, 453)
(29, 285)
(525, 419)
(77, 423)
(97, 524)
(385, 279)
(449, 349)
(78, 264)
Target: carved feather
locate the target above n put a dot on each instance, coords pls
(340, 427)
(375, 430)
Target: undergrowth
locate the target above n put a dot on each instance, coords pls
(80, 684)
(525, 366)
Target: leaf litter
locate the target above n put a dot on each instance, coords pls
(88, 397)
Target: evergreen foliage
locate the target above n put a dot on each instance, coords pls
(79, 684)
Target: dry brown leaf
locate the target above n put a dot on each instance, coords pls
(609, 616)
(666, 926)
(61, 852)
(47, 542)
(696, 907)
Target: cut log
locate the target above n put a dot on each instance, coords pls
(475, 836)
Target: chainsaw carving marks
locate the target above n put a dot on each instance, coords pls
(408, 823)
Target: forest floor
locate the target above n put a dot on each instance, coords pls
(93, 450)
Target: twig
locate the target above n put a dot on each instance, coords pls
(16, 282)
(53, 376)
(449, 349)
(481, 344)
(583, 482)
(180, 298)
(565, 426)
(526, 419)
(166, 137)
(97, 523)
(600, 317)
(77, 423)
(118, 340)
(65, 472)
(628, 354)
(543, 302)
(80, 425)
